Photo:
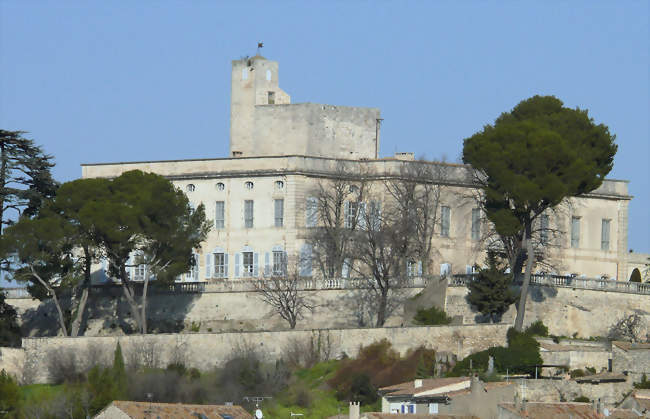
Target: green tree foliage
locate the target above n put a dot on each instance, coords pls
(102, 387)
(527, 162)
(643, 384)
(9, 330)
(10, 400)
(379, 365)
(432, 316)
(25, 179)
(490, 291)
(519, 357)
(119, 372)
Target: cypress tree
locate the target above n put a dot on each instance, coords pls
(490, 292)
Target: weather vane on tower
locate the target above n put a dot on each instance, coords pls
(260, 45)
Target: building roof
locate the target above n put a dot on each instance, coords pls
(540, 410)
(179, 411)
(601, 378)
(428, 385)
(629, 346)
(642, 397)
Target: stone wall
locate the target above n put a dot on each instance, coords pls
(633, 361)
(12, 361)
(208, 350)
(569, 390)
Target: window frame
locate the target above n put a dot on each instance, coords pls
(445, 221)
(605, 244)
(249, 213)
(575, 232)
(246, 272)
(278, 210)
(220, 216)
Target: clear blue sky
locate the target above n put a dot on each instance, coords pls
(149, 80)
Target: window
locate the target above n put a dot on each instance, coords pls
(190, 187)
(311, 212)
(139, 272)
(248, 264)
(268, 75)
(279, 185)
(279, 263)
(345, 269)
(575, 232)
(433, 408)
(604, 234)
(375, 215)
(219, 215)
(249, 185)
(476, 224)
(413, 268)
(279, 212)
(193, 274)
(248, 213)
(305, 260)
(220, 265)
(244, 73)
(354, 188)
(543, 227)
(221, 186)
(445, 219)
(445, 269)
(271, 98)
(350, 214)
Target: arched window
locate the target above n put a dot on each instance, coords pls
(268, 75)
(249, 185)
(244, 73)
(221, 186)
(190, 187)
(279, 185)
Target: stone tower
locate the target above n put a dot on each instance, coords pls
(254, 81)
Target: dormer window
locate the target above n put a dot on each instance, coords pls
(190, 187)
(249, 185)
(221, 186)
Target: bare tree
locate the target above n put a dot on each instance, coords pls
(628, 328)
(335, 217)
(285, 295)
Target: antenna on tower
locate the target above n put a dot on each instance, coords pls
(260, 45)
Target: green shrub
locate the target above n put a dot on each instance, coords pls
(537, 328)
(582, 399)
(432, 316)
(577, 373)
(643, 384)
(10, 400)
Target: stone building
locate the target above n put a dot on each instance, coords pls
(260, 198)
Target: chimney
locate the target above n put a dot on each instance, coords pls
(354, 410)
(417, 383)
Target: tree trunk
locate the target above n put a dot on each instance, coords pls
(143, 316)
(521, 308)
(55, 299)
(383, 305)
(85, 285)
(130, 298)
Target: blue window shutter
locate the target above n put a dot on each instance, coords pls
(237, 267)
(225, 259)
(267, 267)
(419, 268)
(255, 263)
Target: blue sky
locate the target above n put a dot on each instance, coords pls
(149, 80)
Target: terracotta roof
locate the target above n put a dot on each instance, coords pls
(601, 377)
(428, 384)
(539, 410)
(180, 411)
(627, 346)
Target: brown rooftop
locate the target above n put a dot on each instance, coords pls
(178, 411)
(629, 346)
(539, 410)
(428, 384)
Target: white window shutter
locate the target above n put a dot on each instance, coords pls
(195, 270)
(237, 264)
(225, 263)
(130, 269)
(419, 268)
(255, 263)
(267, 267)
(361, 216)
(208, 265)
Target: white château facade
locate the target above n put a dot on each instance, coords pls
(260, 197)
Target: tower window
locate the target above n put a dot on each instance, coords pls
(271, 98)
(268, 75)
(244, 73)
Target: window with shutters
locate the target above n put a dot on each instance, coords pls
(220, 265)
(220, 215)
(248, 213)
(543, 227)
(445, 219)
(575, 232)
(351, 209)
(311, 212)
(604, 234)
(279, 212)
(413, 268)
(476, 224)
(279, 263)
(248, 264)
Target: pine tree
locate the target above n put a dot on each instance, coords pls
(119, 372)
(490, 292)
(9, 329)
